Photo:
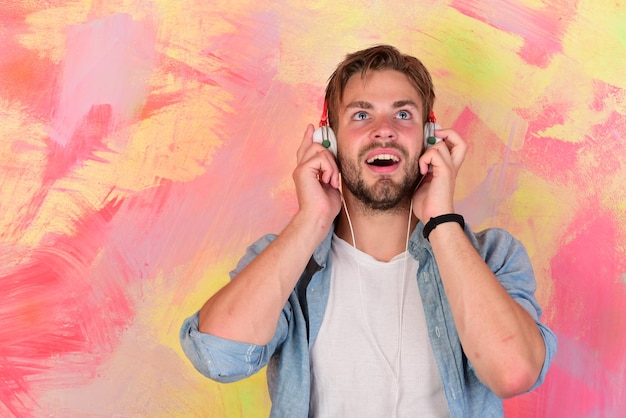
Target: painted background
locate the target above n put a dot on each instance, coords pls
(144, 144)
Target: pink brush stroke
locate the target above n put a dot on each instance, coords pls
(588, 312)
(107, 63)
(541, 30)
(59, 302)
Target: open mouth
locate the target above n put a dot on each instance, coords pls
(383, 160)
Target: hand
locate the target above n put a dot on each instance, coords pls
(317, 180)
(435, 195)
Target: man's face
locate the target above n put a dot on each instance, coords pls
(380, 139)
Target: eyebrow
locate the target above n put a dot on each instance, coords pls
(402, 103)
(367, 105)
(359, 105)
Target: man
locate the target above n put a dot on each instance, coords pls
(376, 300)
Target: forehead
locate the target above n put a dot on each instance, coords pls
(380, 86)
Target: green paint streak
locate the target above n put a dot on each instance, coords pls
(471, 59)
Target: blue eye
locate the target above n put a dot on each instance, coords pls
(403, 114)
(360, 116)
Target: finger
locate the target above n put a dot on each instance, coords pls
(455, 144)
(322, 163)
(436, 158)
(443, 154)
(307, 140)
(330, 174)
(316, 151)
(426, 160)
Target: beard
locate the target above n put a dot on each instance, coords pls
(385, 194)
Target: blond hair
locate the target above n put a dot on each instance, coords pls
(380, 57)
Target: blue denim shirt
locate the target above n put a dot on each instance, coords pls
(287, 354)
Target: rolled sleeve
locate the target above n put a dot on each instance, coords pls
(217, 358)
(550, 340)
(226, 360)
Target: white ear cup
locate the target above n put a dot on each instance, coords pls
(429, 138)
(324, 135)
(429, 134)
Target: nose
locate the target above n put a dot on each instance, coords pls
(384, 131)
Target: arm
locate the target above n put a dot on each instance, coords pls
(500, 338)
(248, 307)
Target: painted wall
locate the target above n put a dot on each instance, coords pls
(144, 144)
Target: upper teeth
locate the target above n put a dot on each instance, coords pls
(383, 157)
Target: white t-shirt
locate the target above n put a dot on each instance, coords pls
(356, 371)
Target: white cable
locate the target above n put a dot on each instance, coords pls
(396, 375)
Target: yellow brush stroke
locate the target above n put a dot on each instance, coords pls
(612, 195)
(47, 28)
(596, 41)
(158, 320)
(572, 119)
(539, 212)
(185, 37)
(23, 157)
(177, 143)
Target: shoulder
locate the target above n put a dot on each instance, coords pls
(260, 244)
(492, 238)
(252, 252)
(498, 247)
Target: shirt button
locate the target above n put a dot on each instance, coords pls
(437, 332)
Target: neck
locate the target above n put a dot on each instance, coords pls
(381, 234)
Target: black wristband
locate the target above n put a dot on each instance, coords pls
(437, 220)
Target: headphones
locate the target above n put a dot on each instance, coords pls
(429, 131)
(324, 134)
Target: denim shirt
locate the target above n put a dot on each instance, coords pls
(287, 354)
